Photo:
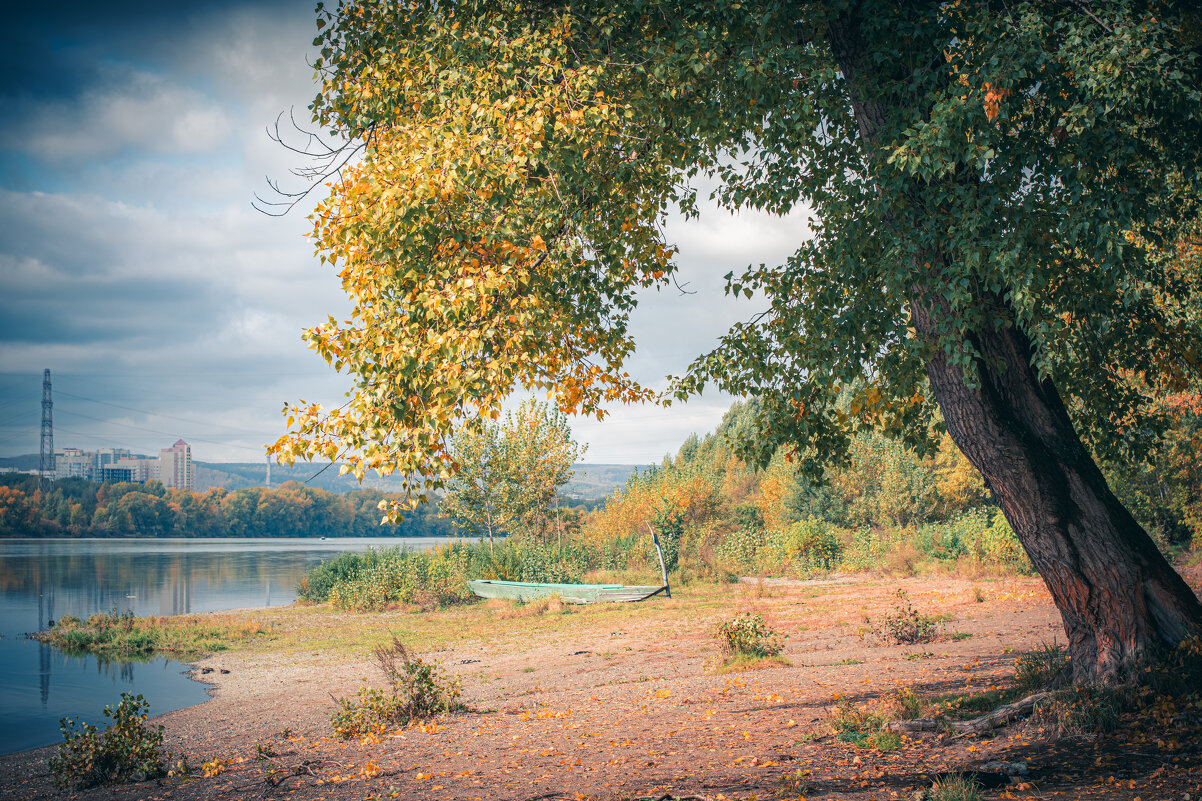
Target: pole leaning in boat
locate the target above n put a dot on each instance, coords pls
(663, 568)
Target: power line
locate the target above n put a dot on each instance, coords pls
(156, 431)
(20, 416)
(156, 414)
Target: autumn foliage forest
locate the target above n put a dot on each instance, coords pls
(79, 508)
(885, 508)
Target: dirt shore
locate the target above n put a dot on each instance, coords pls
(624, 702)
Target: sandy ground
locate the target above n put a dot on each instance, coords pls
(591, 709)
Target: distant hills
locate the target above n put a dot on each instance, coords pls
(241, 475)
(27, 461)
(592, 481)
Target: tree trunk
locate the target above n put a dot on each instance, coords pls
(1120, 600)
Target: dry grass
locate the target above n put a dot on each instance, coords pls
(504, 609)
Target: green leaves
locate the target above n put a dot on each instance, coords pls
(508, 474)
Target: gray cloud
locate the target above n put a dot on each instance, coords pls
(130, 112)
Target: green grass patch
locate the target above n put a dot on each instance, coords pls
(954, 788)
(126, 636)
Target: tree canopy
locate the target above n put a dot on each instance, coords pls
(997, 193)
(519, 160)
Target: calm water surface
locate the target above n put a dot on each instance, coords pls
(45, 579)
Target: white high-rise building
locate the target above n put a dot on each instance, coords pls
(72, 463)
(175, 466)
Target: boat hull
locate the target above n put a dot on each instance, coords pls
(570, 593)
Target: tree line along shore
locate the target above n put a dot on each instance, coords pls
(78, 508)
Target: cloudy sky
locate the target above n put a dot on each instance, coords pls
(133, 266)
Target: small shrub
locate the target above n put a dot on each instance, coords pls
(856, 725)
(417, 690)
(902, 704)
(906, 625)
(373, 711)
(814, 544)
(954, 788)
(1038, 668)
(127, 750)
(748, 635)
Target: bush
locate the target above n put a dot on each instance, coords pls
(379, 579)
(814, 545)
(392, 576)
(747, 635)
(315, 585)
(906, 625)
(127, 750)
(417, 690)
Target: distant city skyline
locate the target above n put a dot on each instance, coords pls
(172, 467)
(134, 268)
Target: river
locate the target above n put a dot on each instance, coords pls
(45, 579)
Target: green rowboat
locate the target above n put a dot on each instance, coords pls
(575, 593)
(570, 593)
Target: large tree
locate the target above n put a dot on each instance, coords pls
(995, 190)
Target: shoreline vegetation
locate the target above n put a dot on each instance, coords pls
(123, 636)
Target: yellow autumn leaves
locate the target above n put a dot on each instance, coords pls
(467, 265)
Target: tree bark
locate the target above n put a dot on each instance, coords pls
(1120, 600)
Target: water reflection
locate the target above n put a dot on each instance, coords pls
(43, 580)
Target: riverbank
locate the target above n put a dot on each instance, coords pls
(620, 701)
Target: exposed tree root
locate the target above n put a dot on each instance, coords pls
(986, 723)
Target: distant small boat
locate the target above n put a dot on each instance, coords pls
(570, 593)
